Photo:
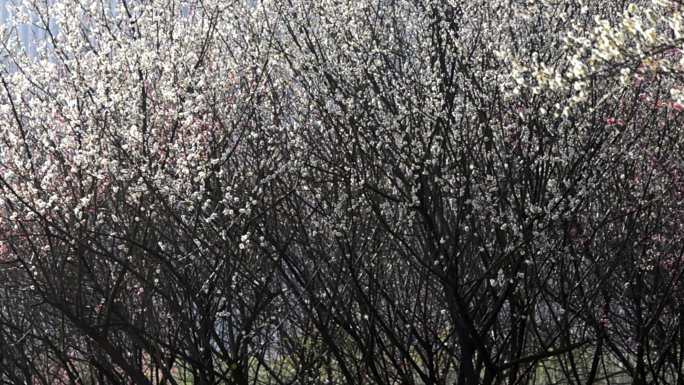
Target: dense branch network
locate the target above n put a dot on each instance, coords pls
(341, 192)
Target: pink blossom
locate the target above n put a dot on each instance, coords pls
(614, 122)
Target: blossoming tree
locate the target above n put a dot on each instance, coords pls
(341, 191)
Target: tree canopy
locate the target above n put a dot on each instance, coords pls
(342, 192)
